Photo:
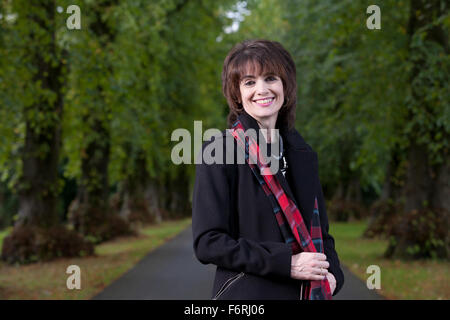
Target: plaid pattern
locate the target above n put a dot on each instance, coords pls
(288, 216)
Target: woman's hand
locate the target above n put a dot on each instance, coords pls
(331, 281)
(309, 266)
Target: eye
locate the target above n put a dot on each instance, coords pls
(249, 83)
(271, 78)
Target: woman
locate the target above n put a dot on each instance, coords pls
(266, 233)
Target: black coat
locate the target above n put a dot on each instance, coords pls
(234, 226)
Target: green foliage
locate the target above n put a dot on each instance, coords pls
(354, 90)
(428, 101)
(154, 80)
(420, 234)
(350, 85)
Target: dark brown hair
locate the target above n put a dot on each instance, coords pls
(262, 56)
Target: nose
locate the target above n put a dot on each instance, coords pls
(261, 88)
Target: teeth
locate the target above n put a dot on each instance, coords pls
(265, 101)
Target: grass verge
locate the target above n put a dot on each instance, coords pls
(423, 279)
(113, 258)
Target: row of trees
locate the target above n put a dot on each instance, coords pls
(86, 116)
(375, 106)
(384, 96)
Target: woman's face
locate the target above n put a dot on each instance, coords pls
(262, 96)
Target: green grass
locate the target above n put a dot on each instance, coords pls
(424, 279)
(113, 258)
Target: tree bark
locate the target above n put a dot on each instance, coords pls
(38, 234)
(425, 208)
(386, 208)
(38, 186)
(422, 181)
(89, 212)
(178, 199)
(139, 194)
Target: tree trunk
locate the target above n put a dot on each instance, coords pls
(90, 212)
(346, 202)
(422, 230)
(139, 194)
(440, 197)
(178, 201)
(37, 234)
(152, 197)
(38, 186)
(387, 207)
(419, 184)
(422, 178)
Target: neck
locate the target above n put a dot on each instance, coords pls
(268, 124)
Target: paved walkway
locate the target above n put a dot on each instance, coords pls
(172, 272)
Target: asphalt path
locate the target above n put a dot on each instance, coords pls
(171, 272)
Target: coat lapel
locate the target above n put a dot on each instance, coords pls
(303, 173)
(300, 182)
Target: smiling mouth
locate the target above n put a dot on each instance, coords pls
(264, 102)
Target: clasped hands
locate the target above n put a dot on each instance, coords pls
(312, 266)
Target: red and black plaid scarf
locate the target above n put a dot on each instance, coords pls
(288, 216)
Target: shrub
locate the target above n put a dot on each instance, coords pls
(420, 234)
(114, 227)
(98, 224)
(342, 210)
(28, 244)
(382, 216)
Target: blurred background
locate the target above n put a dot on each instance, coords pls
(86, 117)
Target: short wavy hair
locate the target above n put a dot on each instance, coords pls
(262, 56)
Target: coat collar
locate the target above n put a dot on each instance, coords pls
(291, 138)
(302, 172)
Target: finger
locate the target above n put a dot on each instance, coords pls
(319, 271)
(320, 256)
(322, 264)
(330, 280)
(316, 277)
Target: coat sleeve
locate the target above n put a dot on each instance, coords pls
(328, 244)
(212, 234)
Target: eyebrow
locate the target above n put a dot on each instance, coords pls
(252, 77)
